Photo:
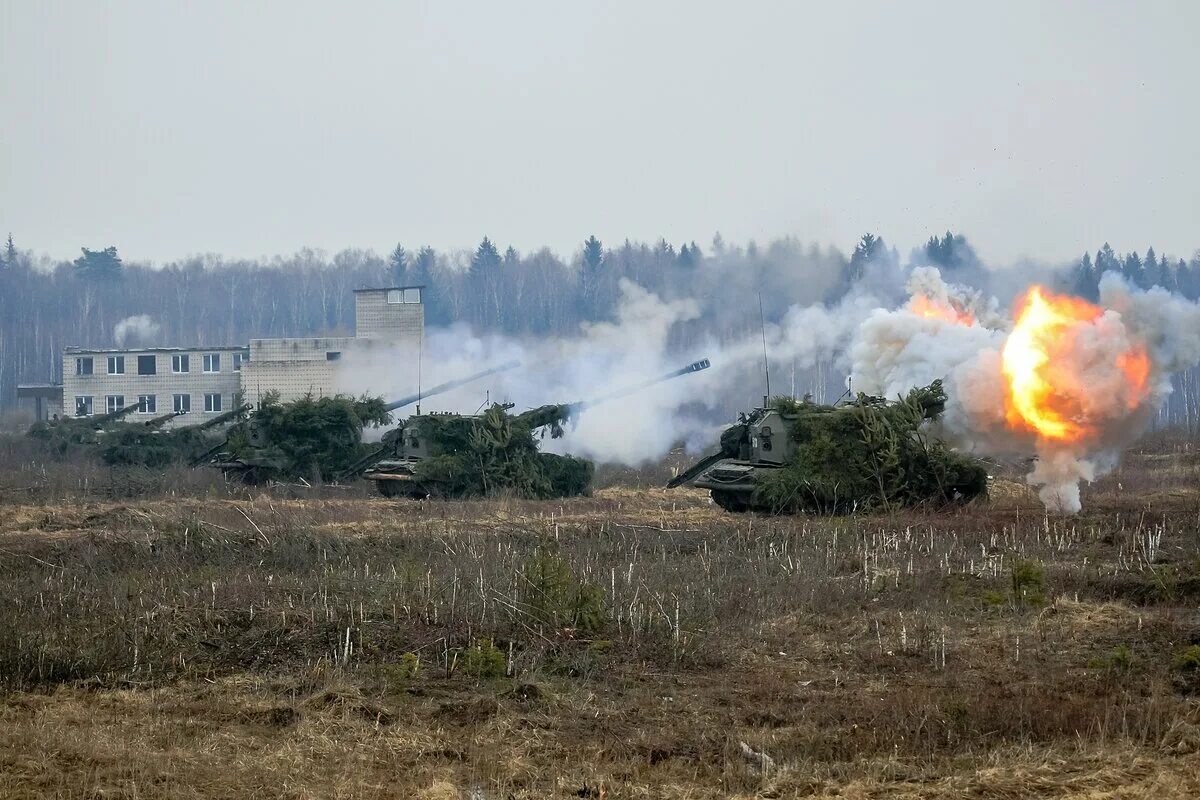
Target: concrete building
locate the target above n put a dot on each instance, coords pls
(206, 381)
(202, 382)
(383, 319)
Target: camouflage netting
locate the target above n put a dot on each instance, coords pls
(64, 435)
(117, 443)
(136, 445)
(867, 454)
(307, 439)
(497, 453)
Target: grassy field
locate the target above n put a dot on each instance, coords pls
(163, 636)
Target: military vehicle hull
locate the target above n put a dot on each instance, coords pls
(398, 479)
(732, 482)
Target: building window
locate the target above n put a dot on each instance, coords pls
(147, 404)
(212, 362)
(83, 366)
(179, 364)
(182, 403)
(116, 365)
(83, 406)
(212, 402)
(147, 365)
(333, 355)
(239, 359)
(397, 296)
(114, 402)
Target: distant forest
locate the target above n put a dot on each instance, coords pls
(209, 300)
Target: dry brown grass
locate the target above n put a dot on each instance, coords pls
(194, 645)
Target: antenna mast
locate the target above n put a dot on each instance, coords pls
(420, 350)
(762, 321)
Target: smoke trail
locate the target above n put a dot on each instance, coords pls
(136, 330)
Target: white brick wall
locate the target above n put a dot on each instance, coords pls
(196, 383)
(374, 316)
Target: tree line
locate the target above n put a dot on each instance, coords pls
(208, 300)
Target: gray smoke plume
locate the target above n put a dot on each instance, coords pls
(137, 330)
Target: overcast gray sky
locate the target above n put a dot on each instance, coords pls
(249, 129)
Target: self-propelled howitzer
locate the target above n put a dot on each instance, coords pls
(449, 455)
(152, 445)
(311, 439)
(868, 453)
(65, 432)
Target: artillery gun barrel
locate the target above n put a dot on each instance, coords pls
(220, 419)
(448, 385)
(201, 458)
(112, 416)
(557, 414)
(695, 366)
(158, 422)
(363, 464)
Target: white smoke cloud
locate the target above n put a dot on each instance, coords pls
(898, 349)
(603, 357)
(137, 330)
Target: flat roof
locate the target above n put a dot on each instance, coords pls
(389, 288)
(39, 390)
(126, 351)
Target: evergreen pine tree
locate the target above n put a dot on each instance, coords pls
(1131, 268)
(589, 276)
(484, 275)
(398, 265)
(1086, 281)
(1184, 281)
(1150, 273)
(486, 260)
(1106, 260)
(1166, 275)
(99, 265)
(10, 253)
(869, 248)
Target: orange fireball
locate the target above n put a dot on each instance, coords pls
(929, 308)
(1052, 376)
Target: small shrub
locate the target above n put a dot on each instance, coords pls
(1185, 668)
(1119, 661)
(1028, 584)
(484, 660)
(400, 675)
(555, 598)
(994, 598)
(1187, 660)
